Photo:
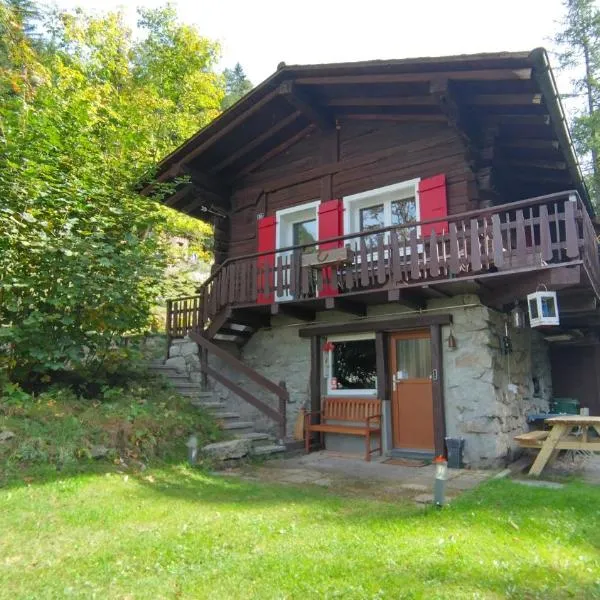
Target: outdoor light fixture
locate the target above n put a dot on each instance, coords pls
(451, 341)
(441, 474)
(543, 308)
(192, 446)
(518, 316)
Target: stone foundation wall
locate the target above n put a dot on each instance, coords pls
(487, 393)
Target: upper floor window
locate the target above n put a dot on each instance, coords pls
(396, 204)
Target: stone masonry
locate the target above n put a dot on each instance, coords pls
(487, 393)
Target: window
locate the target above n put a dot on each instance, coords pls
(304, 232)
(296, 226)
(396, 204)
(351, 365)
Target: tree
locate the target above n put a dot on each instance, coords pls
(236, 85)
(579, 44)
(82, 256)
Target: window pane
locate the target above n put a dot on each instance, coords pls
(354, 365)
(413, 358)
(404, 211)
(371, 217)
(305, 232)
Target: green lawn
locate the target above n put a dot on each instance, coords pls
(177, 533)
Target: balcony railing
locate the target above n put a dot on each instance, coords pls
(520, 236)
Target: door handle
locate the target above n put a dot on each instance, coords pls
(434, 375)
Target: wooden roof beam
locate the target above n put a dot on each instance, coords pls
(275, 151)
(257, 141)
(468, 75)
(443, 95)
(382, 101)
(179, 195)
(418, 118)
(504, 99)
(556, 165)
(530, 144)
(300, 100)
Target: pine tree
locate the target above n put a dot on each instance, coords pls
(236, 85)
(579, 43)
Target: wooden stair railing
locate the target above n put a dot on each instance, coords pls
(279, 416)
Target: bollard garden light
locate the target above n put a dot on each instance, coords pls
(192, 446)
(441, 474)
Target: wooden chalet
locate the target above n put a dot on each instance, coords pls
(376, 224)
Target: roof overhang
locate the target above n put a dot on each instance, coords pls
(512, 93)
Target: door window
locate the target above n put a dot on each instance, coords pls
(413, 358)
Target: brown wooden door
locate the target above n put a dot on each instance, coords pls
(412, 398)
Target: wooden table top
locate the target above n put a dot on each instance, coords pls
(574, 420)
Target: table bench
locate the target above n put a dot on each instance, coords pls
(350, 416)
(560, 437)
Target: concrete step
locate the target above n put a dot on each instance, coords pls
(185, 384)
(225, 415)
(267, 449)
(237, 425)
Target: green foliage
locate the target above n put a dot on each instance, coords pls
(85, 112)
(236, 85)
(143, 420)
(579, 51)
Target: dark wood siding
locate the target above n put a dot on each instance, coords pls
(576, 373)
(371, 155)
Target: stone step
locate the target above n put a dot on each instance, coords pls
(186, 384)
(267, 449)
(254, 436)
(174, 375)
(209, 405)
(225, 415)
(237, 425)
(187, 392)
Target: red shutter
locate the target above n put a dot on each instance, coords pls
(331, 224)
(266, 264)
(433, 204)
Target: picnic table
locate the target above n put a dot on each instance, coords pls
(561, 437)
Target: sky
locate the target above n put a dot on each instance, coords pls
(261, 33)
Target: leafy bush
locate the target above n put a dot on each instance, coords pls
(139, 422)
(85, 113)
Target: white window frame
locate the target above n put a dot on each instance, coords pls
(383, 195)
(354, 337)
(284, 220)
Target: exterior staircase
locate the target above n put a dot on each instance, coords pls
(263, 444)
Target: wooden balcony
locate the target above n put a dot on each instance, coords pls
(493, 251)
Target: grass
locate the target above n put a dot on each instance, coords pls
(178, 533)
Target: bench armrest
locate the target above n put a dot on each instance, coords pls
(308, 414)
(372, 417)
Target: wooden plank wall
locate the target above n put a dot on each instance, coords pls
(386, 152)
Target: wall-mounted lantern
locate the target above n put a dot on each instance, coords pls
(543, 309)
(517, 315)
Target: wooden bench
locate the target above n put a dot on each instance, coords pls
(531, 439)
(359, 417)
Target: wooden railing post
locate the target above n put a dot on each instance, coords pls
(283, 412)
(168, 327)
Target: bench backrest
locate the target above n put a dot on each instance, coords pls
(350, 409)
